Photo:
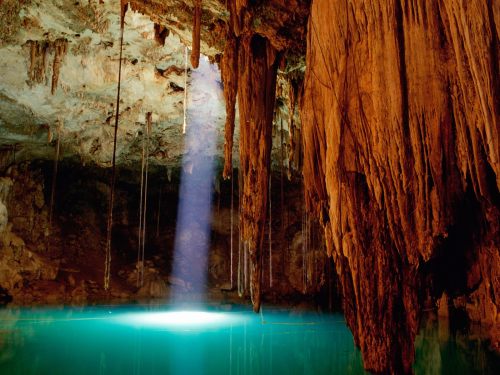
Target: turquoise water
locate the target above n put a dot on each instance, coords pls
(154, 340)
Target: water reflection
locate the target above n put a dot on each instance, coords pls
(441, 349)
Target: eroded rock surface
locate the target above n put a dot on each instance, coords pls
(400, 116)
(60, 64)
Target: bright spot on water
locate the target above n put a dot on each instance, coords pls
(183, 319)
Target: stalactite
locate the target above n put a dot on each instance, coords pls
(236, 8)
(388, 159)
(161, 33)
(107, 261)
(38, 61)
(39, 51)
(256, 96)
(195, 53)
(184, 123)
(229, 71)
(60, 48)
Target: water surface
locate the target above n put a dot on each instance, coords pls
(227, 340)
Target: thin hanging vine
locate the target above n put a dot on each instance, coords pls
(107, 261)
(184, 124)
(54, 183)
(158, 213)
(270, 238)
(240, 242)
(141, 210)
(145, 198)
(232, 224)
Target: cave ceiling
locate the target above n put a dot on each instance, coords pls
(84, 39)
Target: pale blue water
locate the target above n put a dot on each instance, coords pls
(146, 340)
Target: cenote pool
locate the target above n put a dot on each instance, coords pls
(232, 340)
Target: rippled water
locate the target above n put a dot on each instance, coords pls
(145, 340)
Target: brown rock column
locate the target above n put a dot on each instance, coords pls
(229, 73)
(195, 54)
(256, 97)
(400, 116)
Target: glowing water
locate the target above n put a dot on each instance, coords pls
(143, 340)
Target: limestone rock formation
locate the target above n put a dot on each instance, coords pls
(59, 62)
(254, 47)
(400, 117)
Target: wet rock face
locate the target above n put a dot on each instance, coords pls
(22, 238)
(400, 119)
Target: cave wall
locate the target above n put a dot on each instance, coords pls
(64, 262)
(400, 126)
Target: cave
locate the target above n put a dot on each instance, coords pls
(249, 187)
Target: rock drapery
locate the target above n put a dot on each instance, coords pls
(400, 118)
(39, 51)
(60, 47)
(229, 75)
(256, 94)
(249, 67)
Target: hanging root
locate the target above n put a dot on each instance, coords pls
(107, 261)
(240, 242)
(229, 69)
(270, 237)
(54, 182)
(232, 231)
(293, 152)
(141, 211)
(184, 124)
(282, 200)
(195, 55)
(158, 214)
(145, 202)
